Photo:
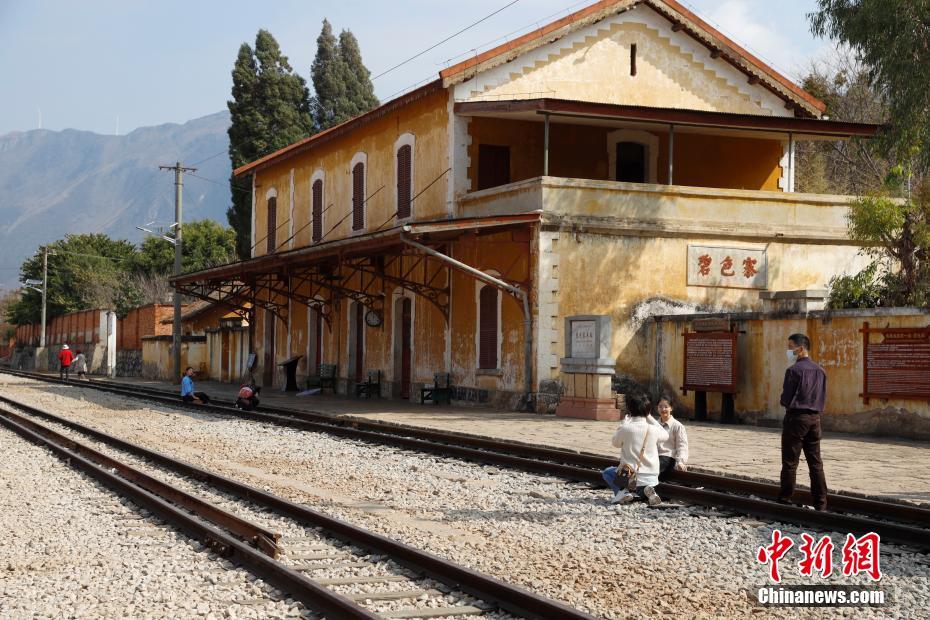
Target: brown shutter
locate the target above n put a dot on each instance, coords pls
(272, 224)
(358, 197)
(404, 181)
(487, 328)
(317, 211)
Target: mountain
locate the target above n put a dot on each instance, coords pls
(58, 182)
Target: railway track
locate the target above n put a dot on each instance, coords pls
(332, 567)
(903, 523)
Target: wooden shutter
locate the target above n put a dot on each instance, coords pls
(317, 210)
(358, 196)
(272, 224)
(404, 181)
(487, 327)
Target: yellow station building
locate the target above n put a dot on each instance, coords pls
(622, 160)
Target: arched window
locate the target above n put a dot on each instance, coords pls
(317, 210)
(358, 196)
(272, 224)
(488, 326)
(404, 181)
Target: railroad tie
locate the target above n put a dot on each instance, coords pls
(350, 581)
(387, 595)
(435, 612)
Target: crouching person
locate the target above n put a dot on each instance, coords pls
(247, 399)
(673, 452)
(637, 437)
(188, 395)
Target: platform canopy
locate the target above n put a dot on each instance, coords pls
(412, 256)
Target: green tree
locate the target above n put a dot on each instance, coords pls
(891, 38)
(269, 109)
(205, 244)
(84, 272)
(896, 232)
(341, 83)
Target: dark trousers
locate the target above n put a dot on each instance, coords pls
(63, 372)
(202, 397)
(801, 431)
(666, 467)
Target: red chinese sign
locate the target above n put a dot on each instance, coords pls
(898, 367)
(727, 267)
(860, 555)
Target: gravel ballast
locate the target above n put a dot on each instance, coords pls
(558, 539)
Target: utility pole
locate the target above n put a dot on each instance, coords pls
(179, 171)
(44, 293)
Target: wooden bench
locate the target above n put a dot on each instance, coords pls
(370, 386)
(440, 391)
(327, 377)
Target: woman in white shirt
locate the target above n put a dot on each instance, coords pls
(673, 452)
(637, 437)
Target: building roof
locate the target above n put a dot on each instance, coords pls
(534, 109)
(680, 17)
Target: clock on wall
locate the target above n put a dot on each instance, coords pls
(373, 318)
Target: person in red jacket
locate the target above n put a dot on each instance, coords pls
(65, 356)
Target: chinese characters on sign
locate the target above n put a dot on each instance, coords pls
(727, 267)
(583, 336)
(898, 366)
(710, 362)
(860, 555)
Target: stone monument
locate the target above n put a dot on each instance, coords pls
(587, 369)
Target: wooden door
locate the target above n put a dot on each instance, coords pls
(406, 328)
(269, 359)
(359, 341)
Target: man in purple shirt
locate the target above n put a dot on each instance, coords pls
(803, 396)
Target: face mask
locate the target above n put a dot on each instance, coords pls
(791, 355)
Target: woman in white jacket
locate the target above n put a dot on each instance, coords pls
(637, 437)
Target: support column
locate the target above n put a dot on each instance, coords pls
(671, 154)
(546, 147)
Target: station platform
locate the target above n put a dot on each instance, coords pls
(868, 465)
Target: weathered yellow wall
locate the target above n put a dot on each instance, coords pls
(581, 152)
(426, 119)
(836, 345)
(672, 70)
(157, 363)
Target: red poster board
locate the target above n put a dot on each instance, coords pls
(710, 362)
(897, 366)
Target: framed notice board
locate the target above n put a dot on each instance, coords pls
(710, 362)
(895, 363)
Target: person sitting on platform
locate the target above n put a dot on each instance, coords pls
(247, 400)
(188, 395)
(673, 453)
(637, 437)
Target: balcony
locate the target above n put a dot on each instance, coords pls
(672, 210)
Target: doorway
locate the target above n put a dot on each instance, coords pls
(269, 353)
(403, 344)
(315, 342)
(356, 341)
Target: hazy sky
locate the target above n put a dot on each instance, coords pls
(102, 64)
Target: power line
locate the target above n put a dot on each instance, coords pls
(449, 38)
(223, 152)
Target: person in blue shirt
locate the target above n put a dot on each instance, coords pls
(188, 395)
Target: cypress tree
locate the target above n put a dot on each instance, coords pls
(341, 83)
(270, 108)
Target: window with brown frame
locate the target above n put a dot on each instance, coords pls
(404, 181)
(317, 211)
(487, 327)
(358, 196)
(272, 225)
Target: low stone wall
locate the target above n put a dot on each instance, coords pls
(129, 363)
(837, 345)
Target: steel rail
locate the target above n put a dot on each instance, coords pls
(315, 596)
(563, 463)
(578, 460)
(508, 597)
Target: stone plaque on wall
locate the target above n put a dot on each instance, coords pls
(583, 340)
(727, 267)
(898, 367)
